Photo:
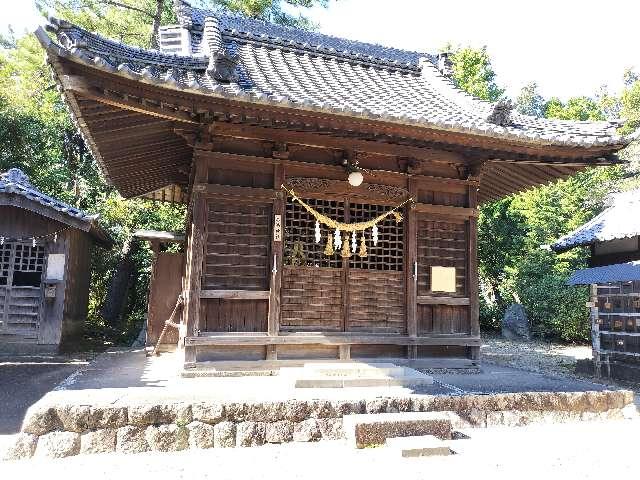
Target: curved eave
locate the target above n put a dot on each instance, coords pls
(482, 133)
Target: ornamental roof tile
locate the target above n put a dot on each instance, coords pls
(620, 220)
(308, 71)
(620, 272)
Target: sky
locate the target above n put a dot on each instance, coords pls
(569, 47)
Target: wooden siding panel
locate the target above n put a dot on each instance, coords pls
(377, 301)
(311, 299)
(224, 315)
(435, 319)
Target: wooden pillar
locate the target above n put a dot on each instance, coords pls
(595, 330)
(277, 251)
(411, 274)
(193, 271)
(472, 276)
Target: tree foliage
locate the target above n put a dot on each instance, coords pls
(473, 73)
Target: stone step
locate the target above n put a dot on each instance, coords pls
(419, 446)
(374, 429)
(337, 382)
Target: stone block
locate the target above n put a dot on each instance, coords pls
(40, 420)
(419, 446)
(107, 417)
(24, 446)
(374, 429)
(167, 438)
(211, 413)
(200, 435)
(307, 431)
(74, 418)
(145, 415)
(296, 410)
(250, 434)
(278, 432)
(131, 439)
(224, 435)
(58, 445)
(331, 428)
(98, 441)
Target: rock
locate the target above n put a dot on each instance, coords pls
(23, 447)
(200, 435)
(167, 438)
(278, 432)
(249, 434)
(98, 441)
(348, 407)
(107, 417)
(131, 439)
(321, 409)
(331, 428)
(144, 415)
(58, 445)
(74, 418)
(208, 412)
(307, 431)
(377, 405)
(41, 420)
(296, 410)
(224, 435)
(236, 412)
(515, 323)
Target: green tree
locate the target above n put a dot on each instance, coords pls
(529, 101)
(473, 72)
(576, 108)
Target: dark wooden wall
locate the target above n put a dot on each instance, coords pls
(165, 286)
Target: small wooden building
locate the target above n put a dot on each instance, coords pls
(613, 238)
(289, 147)
(44, 267)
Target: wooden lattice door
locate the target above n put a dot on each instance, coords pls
(21, 269)
(329, 293)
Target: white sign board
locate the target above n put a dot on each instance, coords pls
(55, 266)
(443, 279)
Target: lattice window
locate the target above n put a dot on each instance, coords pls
(5, 259)
(388, 253)
(29, 258)
(300, 229)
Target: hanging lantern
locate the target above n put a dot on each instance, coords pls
(318, 237)
(328, 249)
(354, 242)
(374, 235)
(337, 238)
(346, 251)
(363, 247)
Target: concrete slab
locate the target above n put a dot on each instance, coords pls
(419, 446)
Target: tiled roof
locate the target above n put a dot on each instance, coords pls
(621, 272)
(620, 220)
(307, 71)
(15, 181)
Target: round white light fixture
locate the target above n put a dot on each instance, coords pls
(355, 179)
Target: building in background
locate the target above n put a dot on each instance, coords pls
(614, 278)
(45, 249)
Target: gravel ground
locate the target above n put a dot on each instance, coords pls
(543, 357)
(564, 451)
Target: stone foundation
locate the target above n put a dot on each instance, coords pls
(64, 430)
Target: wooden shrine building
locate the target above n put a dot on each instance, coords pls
(44, 268)
(613, 238)
(231, 109)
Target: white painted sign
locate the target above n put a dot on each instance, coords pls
(55, 266)
(277, 228)
(443, 279)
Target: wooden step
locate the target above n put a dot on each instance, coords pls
(374, 429)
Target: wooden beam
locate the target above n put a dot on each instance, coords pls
(328, 141)
(236, 294)
(80, 86)
(431, 300)
(277, 253)
(222, 338)
(411, 277)
(446, 210)
(246, 193)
